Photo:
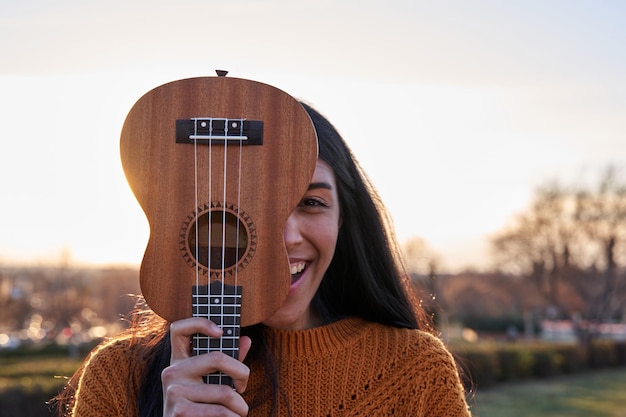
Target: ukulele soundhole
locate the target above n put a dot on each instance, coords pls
(218, 238)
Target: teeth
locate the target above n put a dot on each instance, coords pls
(295, 268)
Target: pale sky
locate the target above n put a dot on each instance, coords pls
(488, 99)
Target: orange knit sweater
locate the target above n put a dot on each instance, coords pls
(348, 368)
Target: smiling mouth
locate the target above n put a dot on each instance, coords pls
(297, 271)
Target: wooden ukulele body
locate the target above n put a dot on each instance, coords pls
(216, 205)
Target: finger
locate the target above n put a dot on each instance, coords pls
(241, 383)
(200, 410)
(192, 369)
(182, 330)
(203, 399)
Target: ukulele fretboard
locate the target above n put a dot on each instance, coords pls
(221, 304)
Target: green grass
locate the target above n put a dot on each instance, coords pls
(596, 394)
(39, 373)
(28, 383)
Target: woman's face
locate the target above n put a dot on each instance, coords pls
(310, 237)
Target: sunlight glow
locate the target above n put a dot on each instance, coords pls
(456, 113)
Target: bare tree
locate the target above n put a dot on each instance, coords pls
(423, 265)
(419, 257)
(573, 240)
(539, 243)
(601, 216)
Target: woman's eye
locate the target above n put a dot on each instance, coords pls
(312, 202)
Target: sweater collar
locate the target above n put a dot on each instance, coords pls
(318, 340)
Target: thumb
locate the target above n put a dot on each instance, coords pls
(244, 347)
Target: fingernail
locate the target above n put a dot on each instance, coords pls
(216, 328)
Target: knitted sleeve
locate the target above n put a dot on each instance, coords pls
(435, 379)
(106, 383)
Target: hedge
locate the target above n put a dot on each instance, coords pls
(486, 364)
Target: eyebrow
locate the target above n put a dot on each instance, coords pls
(316, 185)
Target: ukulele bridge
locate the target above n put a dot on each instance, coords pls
(219, 130)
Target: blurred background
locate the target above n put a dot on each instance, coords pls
(494, 132)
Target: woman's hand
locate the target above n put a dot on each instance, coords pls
(184, 392)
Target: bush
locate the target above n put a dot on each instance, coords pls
(621, 353)
(603, 354)
(493, 324)
(481, 365)
(547, 362)
(48, 349)
(571, 358)
(27, 403)
(514, 363)
(27, 383)
(488, 363)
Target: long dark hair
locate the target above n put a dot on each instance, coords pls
(366, 277)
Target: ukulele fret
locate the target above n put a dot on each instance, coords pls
(219, 130)
(220, 303)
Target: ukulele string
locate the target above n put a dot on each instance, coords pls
(238, 202)
(224, 203)
(221, 375)
(238, 215)
(195, 169)
(210, 198)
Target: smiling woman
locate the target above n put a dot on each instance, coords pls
(310, 237)
(349, 337)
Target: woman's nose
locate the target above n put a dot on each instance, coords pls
(291, 233)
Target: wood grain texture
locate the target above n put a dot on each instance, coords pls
(274, 176)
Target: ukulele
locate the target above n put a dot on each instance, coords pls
(217, 165)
